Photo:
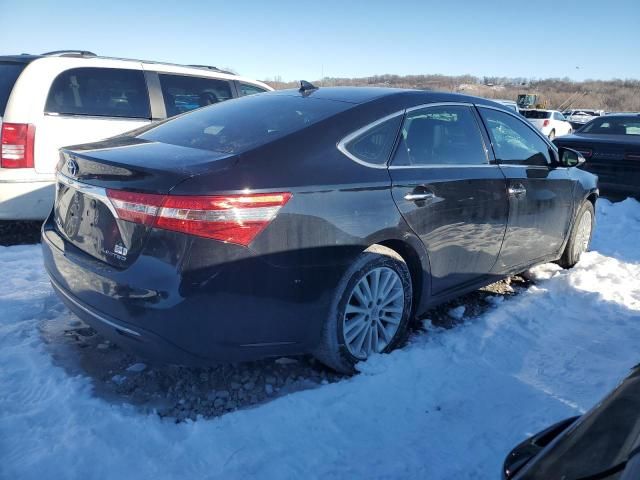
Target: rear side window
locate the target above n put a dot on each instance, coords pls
(536, 114)
(246, 89)
(513, 140)
(245, 123)
(447, 135)
(9, 73)
(183, 93)
(375, 144)
(103, 92)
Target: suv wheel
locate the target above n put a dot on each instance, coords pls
(370, 311)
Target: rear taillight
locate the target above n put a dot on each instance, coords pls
(229, 218)
(17, 145)
(545, 123)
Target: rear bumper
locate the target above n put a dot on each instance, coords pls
(25, 196)
(172, 310)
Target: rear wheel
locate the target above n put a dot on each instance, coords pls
(580, 236)
(552, 134)
(370, 311)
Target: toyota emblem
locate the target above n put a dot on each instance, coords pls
(72, 167)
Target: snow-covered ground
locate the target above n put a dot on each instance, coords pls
(449, 405)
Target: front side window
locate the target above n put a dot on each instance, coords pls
(376, 143)
(104, 92)
(183, 93)
(445, 135)
(513, 140)
(246, 89)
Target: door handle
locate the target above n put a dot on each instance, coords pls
(417, 197)
(517, 190)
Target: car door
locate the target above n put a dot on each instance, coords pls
(564, 127)
(540, 192)
(449, 193)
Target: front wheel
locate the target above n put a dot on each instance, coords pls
(580, 236)
(370, 311)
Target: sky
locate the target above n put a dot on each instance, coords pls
(301, 39)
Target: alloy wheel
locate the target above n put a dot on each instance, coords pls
(583, 234)
(373, 312)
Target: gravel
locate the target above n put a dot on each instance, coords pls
(182, 393)
(19, 233)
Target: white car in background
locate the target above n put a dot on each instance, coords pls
(70, 97)
(509, 104)
(578, 117)
(551, 123)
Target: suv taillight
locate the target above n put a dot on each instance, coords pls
(17, 141)
(545, 123)
(228, 218)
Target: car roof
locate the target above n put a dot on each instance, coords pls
(357, 95)
(80, 54)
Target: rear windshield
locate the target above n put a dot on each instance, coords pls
(613, 126)
(536, 114)
(9, 73)
(244, 123)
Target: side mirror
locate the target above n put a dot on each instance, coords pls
(569, 157)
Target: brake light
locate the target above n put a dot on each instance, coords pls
(228, 218)
(17, 141)
(545, 123)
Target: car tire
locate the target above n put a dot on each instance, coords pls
(580, 237)
(552, 134)
(351, 321)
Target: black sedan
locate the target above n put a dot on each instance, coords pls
(611, 147)
(315, 221)
(604, 443)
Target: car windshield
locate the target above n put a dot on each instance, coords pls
(613, 126)
(9, 73)
(536, 114)
(601, 439)
(238, 125)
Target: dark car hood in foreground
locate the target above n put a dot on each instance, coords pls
(129, 163)
(588, 138)
(599, 440)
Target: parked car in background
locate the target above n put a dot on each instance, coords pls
(314, 221)
(611, 147)
(604, 443)
(509, 104)
(69, 97)
(578, 117)
(550, 122)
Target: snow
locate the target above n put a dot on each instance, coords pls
(449, 405)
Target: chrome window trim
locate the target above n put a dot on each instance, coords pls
(97, 117)
(446, 165)
(92, 191)
(438, 104)
(342, 144)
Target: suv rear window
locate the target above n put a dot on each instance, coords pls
(9, 73)
(536, 114)
(183, 93)
(104, 92)
(243, 123)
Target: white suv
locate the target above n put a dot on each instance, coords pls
(550, 122)
(69, 97)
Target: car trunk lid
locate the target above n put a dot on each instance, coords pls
(95, 179)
